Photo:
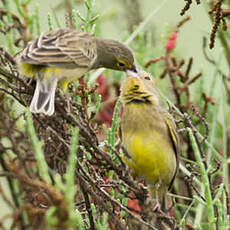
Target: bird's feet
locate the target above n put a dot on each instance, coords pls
(157, 206)
(152, 204)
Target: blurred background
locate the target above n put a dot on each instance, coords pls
(118, 20)
(116, 17)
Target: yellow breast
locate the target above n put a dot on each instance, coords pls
(152, 157)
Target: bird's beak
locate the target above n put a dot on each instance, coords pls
(131, 73)
(134, 69)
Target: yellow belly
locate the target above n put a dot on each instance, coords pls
(30, 70)
(151, 157)
(64, 75)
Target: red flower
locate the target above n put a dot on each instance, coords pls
(106, 113)
(103, 88)
(171, 42)
(169, 45)
(173, 36)
(134, 204)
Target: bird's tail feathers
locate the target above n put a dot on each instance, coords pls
(44, 95)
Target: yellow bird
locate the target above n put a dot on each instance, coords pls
(64, 55)
(148, 135)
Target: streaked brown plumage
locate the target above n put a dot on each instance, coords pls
(64, 55)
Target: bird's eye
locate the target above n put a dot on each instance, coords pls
(147, 78)
(121, 64)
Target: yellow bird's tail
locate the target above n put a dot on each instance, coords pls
(43, 99)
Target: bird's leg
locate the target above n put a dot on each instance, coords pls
(157, 206)
(157, 203)
(152, 201)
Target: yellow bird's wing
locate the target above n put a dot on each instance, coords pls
(125, 155)
(175, 142)
(61, 48)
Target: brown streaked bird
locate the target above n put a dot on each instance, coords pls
(64, 55)
(148, 135)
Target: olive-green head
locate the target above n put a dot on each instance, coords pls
(114, 55)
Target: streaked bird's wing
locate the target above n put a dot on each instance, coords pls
(175, 142)
(61, 48)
